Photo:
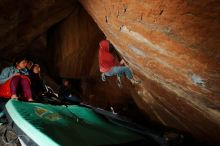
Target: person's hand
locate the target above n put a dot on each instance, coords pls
(122, 62)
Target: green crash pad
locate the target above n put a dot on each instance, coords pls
(73, 125)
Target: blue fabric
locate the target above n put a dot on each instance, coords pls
(72, 98)
(9, 72)
(119, 71)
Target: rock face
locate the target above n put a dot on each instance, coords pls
(173, 47)
(73, 45)
(73, 48)
(21, 22)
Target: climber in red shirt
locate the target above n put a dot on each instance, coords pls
(108, 65)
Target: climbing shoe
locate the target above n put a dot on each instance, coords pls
(133, 81)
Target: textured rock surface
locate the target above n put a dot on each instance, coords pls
(173, 47)
(73, 45)
(21, 22)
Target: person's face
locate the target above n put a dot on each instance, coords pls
(66, 83)
(36, 69)
(29, 64)
(22, 64)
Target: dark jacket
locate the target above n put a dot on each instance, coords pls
(64, 92)
(37, 84)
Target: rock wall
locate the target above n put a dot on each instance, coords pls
(73, 45)
(22, 22)
(73, 48)
(173, 47)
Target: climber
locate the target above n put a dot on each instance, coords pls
(108, 65)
